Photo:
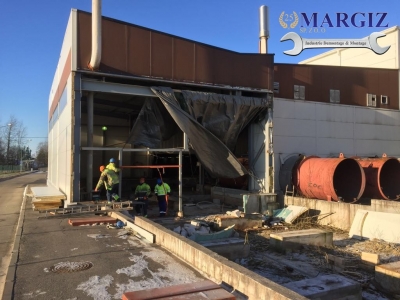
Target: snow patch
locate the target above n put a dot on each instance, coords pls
(96, 287)
(99, 236)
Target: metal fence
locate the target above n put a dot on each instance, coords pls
(4, 169)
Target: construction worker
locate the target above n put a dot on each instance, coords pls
(162, 190)
(142, 193)
(111, 166)
(111, 182)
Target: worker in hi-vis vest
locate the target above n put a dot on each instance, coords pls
(110, 181)
(162, 190)
(142, 193)
(111, 166)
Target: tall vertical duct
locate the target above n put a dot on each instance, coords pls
(96, 35)
(336, 179)
(382, 177)
(93, 65)
(264, 29)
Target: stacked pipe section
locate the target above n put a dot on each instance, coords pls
(382, 176)
(331, 179)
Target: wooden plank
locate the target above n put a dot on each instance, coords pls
(93, 220)
(217, 294)
(370, 257)
(169, 291)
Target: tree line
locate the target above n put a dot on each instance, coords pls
(14, 147)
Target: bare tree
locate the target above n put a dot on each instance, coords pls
(42, 154)
(12, 137)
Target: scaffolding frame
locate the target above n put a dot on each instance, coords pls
(121, 150)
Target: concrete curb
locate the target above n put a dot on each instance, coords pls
(8, 292)
(214, 266)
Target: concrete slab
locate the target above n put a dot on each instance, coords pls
(327, 287)
(231, 248)
(220, 269)
(370, 257)
(240, 223)
(201, 209)
(121, 263)
(150, 237)
(388, 276)
(293, 240)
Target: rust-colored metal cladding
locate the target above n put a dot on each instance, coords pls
(382, 177)
(133, 50)
(336, 179)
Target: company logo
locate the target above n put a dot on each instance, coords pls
(292, 18)
(318, 23)
(336, 20)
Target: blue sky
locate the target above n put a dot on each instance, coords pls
(31, 35)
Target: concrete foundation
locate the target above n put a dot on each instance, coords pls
(216, 267)
(293, 240)
(201, 209)
(340, 214)
(231, 248)
(327, 287)
(388, 276)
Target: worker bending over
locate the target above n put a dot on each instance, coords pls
(110, 180)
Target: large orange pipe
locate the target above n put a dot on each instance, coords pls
(382, 178)
(336, 179)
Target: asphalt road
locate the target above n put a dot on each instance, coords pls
(58, 261)
(11, 195)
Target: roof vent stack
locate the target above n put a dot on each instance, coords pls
(264, 29)
(96, 35)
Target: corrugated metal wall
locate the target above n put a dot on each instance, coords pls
(353, 83)
(134, 50)
(313, 128)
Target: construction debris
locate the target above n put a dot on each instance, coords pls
(289, 214)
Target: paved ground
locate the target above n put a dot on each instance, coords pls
(10, 206)
(119, 262)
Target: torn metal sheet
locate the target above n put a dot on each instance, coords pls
(216, 158)
(153, 125)
(225, 116)
(290, 214)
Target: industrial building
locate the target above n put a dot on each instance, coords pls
(111, 87)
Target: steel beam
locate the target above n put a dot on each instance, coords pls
(116, 88)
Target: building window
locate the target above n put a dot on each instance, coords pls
(334, 96)
(384, 99)
(299, 92)
(276, 87)
(371, 100)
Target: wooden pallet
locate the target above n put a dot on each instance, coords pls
(197, 290)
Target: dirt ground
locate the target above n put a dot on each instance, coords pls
(310, 261)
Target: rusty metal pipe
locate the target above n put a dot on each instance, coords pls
(336, 179)
(382, 178)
